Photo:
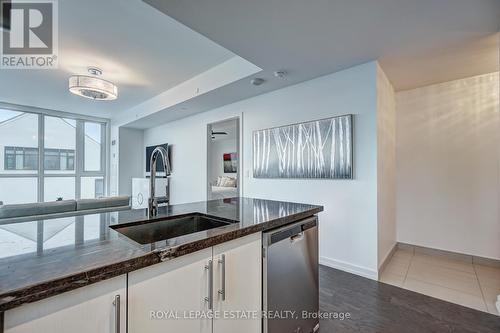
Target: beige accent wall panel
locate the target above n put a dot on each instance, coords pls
(386, 166)
(448, 144)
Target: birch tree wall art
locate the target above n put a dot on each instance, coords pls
(316, 149)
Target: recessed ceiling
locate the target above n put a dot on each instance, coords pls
(138, 48)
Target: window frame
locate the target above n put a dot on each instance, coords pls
(78, 153)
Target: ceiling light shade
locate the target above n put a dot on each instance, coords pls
(93, 87)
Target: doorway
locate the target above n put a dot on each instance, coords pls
(223, 159)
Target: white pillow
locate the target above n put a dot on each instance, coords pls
(224, 181)
(230, 182)
(220, 181)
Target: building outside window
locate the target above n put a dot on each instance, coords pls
(21, 158)
(73, 163)
(25, 158)
(59, 159)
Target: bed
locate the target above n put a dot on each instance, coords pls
(222, 192)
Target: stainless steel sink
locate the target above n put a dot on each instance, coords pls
(150, 232)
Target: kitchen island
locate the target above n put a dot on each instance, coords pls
(93, 251)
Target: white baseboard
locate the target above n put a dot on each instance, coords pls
(350, 268)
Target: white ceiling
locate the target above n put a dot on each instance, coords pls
(417, 41)
(141, 50)
(147, 53)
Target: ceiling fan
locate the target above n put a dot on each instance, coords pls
(214, 133)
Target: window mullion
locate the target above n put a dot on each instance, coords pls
(104, 157)
(41, 154)
(103, 151)
(79, 152)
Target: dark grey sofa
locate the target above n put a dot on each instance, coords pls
(54, 209)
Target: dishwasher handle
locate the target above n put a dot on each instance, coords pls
(294, 232)
(298, 237)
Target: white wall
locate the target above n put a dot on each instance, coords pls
(386, 166)
(187, 138)
(114, 159)
(216, 165)
(348, 227)
(131, 157)
(448, 138)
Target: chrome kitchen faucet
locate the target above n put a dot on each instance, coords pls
(153, 201)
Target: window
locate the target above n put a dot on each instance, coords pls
(17, 190)
(99, 187)
(73, 152)
(60, 137)
(59, 188)
(92, 146)
(92, 187)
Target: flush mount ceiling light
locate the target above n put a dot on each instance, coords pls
(92, 86)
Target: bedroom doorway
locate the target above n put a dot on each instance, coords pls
(223, 159)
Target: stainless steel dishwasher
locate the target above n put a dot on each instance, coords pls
(290, 278)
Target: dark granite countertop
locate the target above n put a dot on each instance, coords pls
(39, 259)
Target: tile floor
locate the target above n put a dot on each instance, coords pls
(453, 279)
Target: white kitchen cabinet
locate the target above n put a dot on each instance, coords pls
(238, 285)
(88, 309)
(162, 297)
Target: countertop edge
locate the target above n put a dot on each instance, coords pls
(54, 287)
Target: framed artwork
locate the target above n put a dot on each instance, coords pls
(230, 161)
(315, 149)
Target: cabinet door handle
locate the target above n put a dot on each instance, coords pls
(222, 261)
(210, 298)
(116, 303)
